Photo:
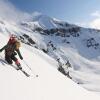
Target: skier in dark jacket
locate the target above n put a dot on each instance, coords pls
(11, 50)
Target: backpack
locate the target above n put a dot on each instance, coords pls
(12, 47)
(17, 45)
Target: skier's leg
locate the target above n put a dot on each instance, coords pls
(8, 59)
(16, 61)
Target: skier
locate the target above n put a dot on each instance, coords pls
(11, 50)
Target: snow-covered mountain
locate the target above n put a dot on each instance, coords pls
(49, 85)
(75, 49)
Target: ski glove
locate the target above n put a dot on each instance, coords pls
(3, 48)
(0, 50)
(21, 57)
(19, 54)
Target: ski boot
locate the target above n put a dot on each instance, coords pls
(18, 65)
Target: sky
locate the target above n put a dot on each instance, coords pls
(83, 12)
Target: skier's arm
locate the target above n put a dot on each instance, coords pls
(3, 48)
(18, 51)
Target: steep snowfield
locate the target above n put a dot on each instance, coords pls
(86, 72)
(50, 85)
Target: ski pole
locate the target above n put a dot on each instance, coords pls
(27, 65)
(30, 68)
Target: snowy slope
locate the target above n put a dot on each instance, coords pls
(64, 41)
(79, 46)
(50, 85)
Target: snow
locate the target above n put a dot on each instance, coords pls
(50, 85)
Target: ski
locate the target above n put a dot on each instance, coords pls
(25, 73)
(28, 75)
(15, 67)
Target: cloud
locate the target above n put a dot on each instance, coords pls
(96, 14)
(10, 13)
(95, 23)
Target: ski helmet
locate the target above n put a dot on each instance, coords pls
(13, 38)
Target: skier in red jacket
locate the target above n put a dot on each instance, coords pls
(11, 50)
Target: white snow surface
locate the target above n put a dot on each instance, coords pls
(50, 85)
